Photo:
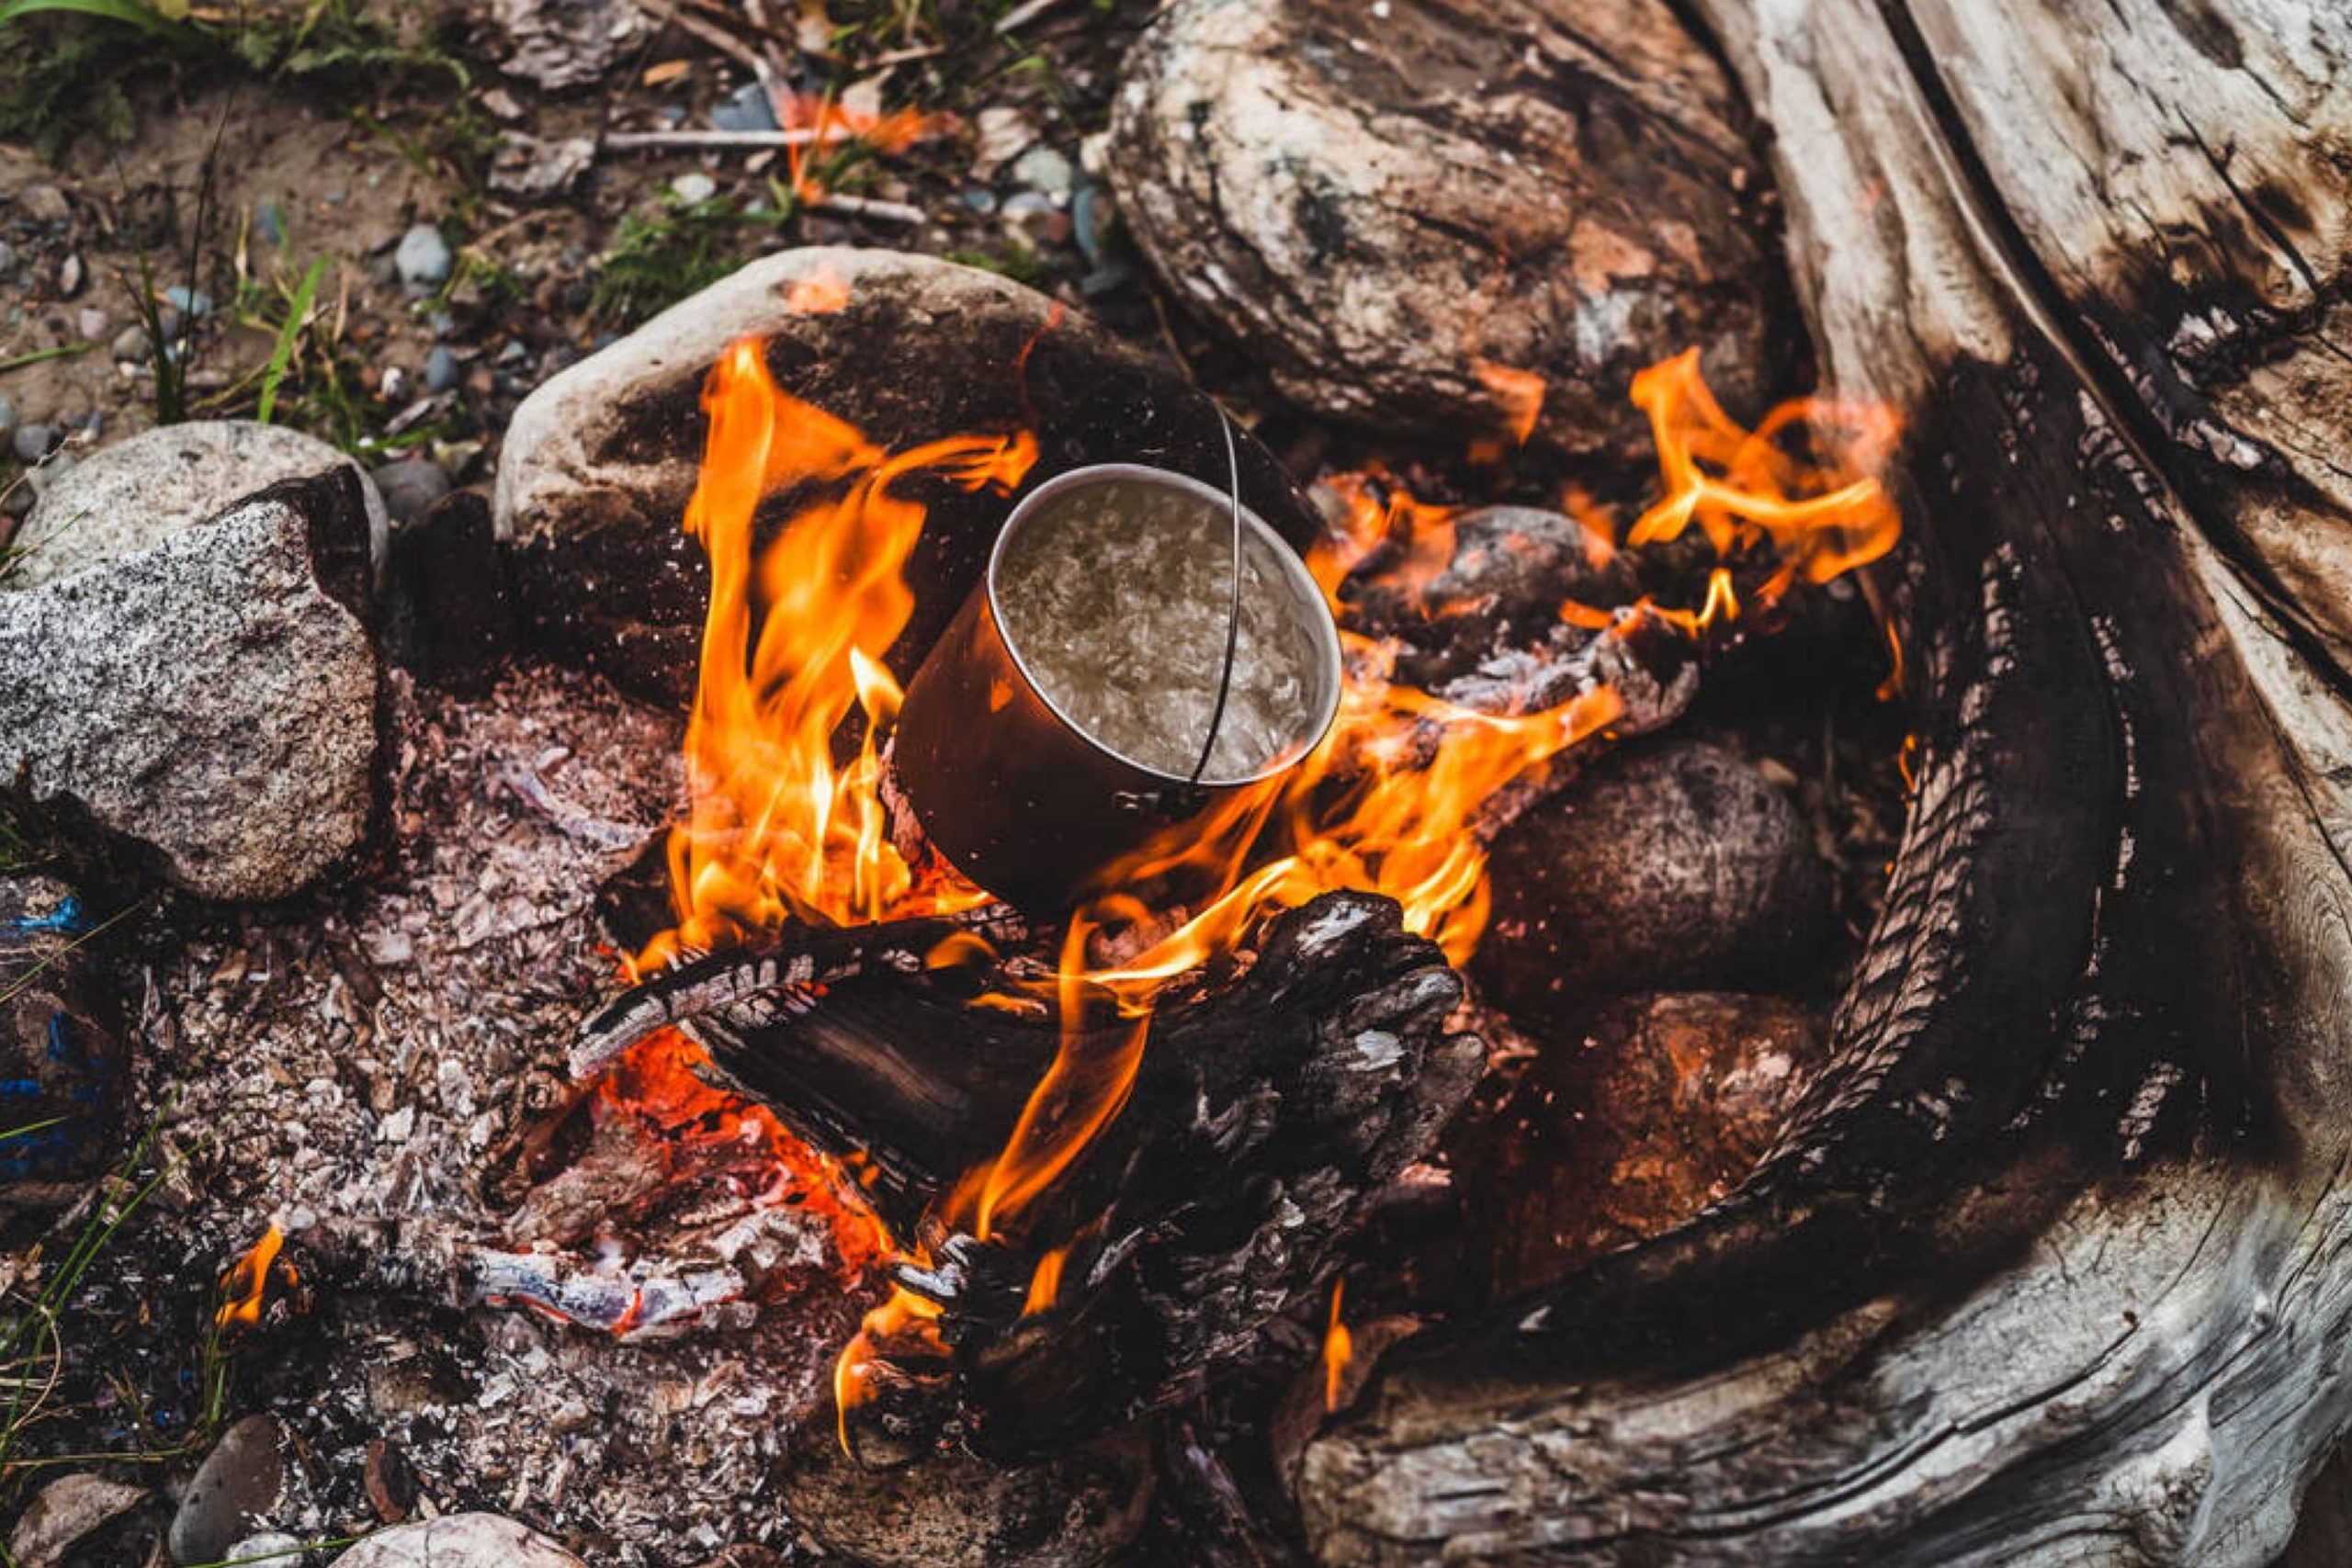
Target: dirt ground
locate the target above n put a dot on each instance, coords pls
(231, 182)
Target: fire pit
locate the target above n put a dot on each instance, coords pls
(1773, 1010)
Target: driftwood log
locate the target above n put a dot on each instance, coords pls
(2050, 1265)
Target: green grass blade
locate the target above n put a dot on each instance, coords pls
(62, 351)
(280, 356)
(129, 12)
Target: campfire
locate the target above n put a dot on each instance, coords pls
(1372, 787)
(801, 885)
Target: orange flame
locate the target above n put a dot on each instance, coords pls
(1519, 395)
(1338, 1350)
(775, 829)
(1045, 1284)
(833, 120)
(1824, 517)
(247, 1281)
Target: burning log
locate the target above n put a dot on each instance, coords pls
(2044, 1268)
(1305, 1085)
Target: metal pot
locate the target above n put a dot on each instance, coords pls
(1014, 789)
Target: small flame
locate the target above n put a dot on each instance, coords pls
(1519, 395)
(822, 293)
(247, 1281)
(1822, 518)
(1045, 1284)
(835, 121)
(1085, 1087)
(1338, 1351)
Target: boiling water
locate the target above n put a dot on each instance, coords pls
(1115, 596)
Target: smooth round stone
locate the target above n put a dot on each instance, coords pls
(1672, 866)
(34, 442)
(422, 259)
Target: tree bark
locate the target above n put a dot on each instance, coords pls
(2050, 1267)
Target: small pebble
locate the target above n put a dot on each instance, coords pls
(1042, 168)
(410, 486)
(131, 345)
(7, 420)
(395, 385)
(422, 259)
(440, 369)
(69, 277)
(1031, 217)
(96, 426)
(44, 204)
(746, 108)
(514, 352)
(269, 220)
(189, 302)
(1087, 209)
(980, 200)
(93, 322)
(34, 442)
(693, 186)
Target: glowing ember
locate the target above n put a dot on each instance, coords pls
(247, 1281)
(1338, 1350)
(655, 1084)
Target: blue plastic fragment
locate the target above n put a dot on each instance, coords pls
(66, 918)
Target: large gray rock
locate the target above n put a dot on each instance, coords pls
(458, 1541)
(140, 492)
(1391, 209)
(599, 461)
(213, 698)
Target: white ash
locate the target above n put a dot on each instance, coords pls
(382, 1052)
(1117, 598)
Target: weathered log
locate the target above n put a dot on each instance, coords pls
(2049, 1267)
